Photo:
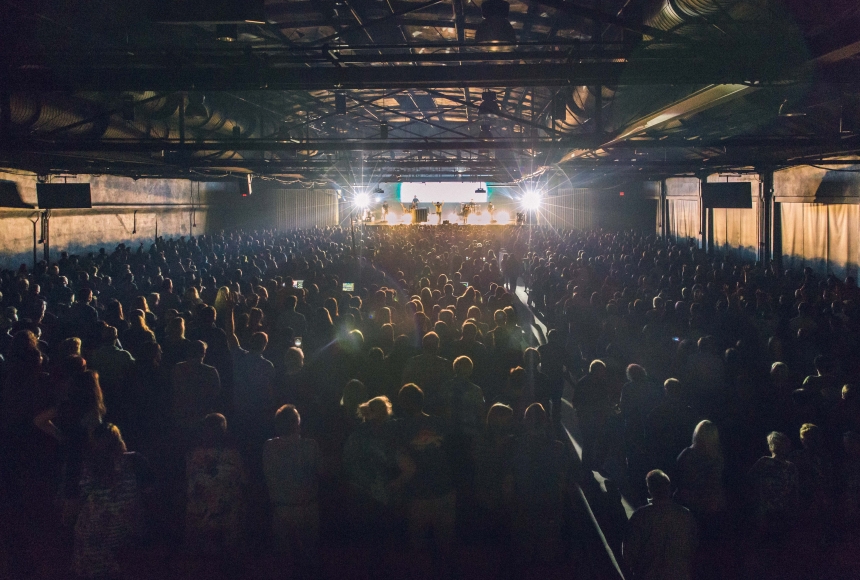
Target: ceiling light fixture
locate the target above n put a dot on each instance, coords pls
(783, 113)
(196, 106)
(495, 28)
(227, 32)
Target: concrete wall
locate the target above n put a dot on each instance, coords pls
(165, 202)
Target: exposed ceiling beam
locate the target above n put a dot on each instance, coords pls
(713, 96)
(582, 141)
(214, 77)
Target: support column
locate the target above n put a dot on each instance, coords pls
(766, 217)
(703, 220)
(664, 210)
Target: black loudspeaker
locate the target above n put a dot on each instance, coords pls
(446, 222)
(419, 216)
(64, 195)
(340, 103)
(729, 195)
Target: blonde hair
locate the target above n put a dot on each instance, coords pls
(376, 409)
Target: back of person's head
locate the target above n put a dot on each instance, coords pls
(516, 379)
(555, 336)
(463, 367)
(659, 485)
(499, 417)
(430, 343)
(470, 331)
(597, 367)
(354, 394)
(258, 342)
(823, 364)
(137, 318)
(779, 444)
(149, 352)
(810, 436)
(706, 438)
(208, 315)
(376, 410)
(105, 447)
(176, 328)
(213, 431)
(287, 421)
(499, 317)
(291, 302)
(376, 355)
(535, 419)
(69, 347)
(294, 360)
(197, 350)
(531, 358)
(673, 389)
(109, 335)
(707, 344)
(411, 399)
(636, 373)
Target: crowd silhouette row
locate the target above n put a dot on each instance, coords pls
(226, 394)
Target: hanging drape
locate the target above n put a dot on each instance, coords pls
(821, 236)
(737, 230)
(684, 218)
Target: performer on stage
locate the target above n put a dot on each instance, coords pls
(438, 205)
(385, 211)
(467, 209)
(491, 209)
(414, 203)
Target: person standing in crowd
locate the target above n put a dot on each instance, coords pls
(661, 537)
(292, 465)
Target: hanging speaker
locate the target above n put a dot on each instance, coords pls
(340, 103)
(383, 131)
(559, 106)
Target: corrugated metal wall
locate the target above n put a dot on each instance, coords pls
(305, 208)
(570, 208)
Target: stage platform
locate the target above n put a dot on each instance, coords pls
(500, 217)
(433, 222)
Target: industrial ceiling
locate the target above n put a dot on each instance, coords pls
(368, 91)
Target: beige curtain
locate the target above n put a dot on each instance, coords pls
(684, 218)
(736, 231)
(821, 236)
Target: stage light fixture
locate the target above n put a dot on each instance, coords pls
(481, 190)
(196, 106)
(489, 105)
(485, 132)
(361, 200)
(340, 103)
(378, 190)
(531, 200)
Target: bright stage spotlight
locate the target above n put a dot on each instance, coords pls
(531, 200)
(361, 200)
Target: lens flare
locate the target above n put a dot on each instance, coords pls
(361, 200)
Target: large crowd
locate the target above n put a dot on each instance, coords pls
(413, 388)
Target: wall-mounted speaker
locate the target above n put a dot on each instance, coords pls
(64, 195)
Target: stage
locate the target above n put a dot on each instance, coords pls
(500, 217)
